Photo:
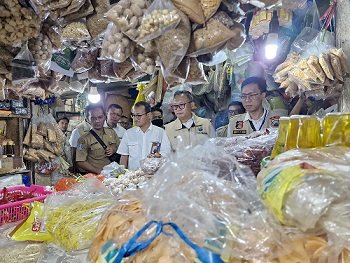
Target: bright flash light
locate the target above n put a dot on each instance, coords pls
(271, 51)
(94, 96)
(271, 46)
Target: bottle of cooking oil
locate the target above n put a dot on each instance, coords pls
(303, 132)
(280, 144)
(336, 129)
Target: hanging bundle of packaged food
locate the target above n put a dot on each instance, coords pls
(17, 23)
(122, 69)
(76, 31)
(196, 74)
(116, 46)
(24, 67)
(84, 59)
(97, 25)
(41, 49)
(127, 15)
(161, 16)
(172, 46)
(77, 12)
(144, 61)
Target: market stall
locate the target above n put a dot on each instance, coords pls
(277, 195)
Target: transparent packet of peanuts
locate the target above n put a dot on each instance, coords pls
(160, 16)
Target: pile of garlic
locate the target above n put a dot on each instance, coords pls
(130, 180)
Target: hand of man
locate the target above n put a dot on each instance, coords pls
(109, 151)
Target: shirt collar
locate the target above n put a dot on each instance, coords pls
(150, 128)
(178, 123)
(248, 118)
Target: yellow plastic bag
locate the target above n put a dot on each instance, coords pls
(33, 228)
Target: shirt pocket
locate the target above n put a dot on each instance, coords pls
(133, 149)
(97, 150)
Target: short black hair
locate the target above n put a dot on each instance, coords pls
(124, 117)
(184, 92)
(62, 118)
(235, 103)
(255, 80)
(157, 109)
(115, 106)
(144, 104)
(91, 107)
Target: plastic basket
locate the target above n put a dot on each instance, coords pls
(16, 211)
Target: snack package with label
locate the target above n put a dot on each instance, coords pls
(33, 228)
(71, 217)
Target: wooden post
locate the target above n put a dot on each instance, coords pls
(343, 41)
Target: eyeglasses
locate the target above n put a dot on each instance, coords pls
(180, 106)
(251, 96)
(235, 112)
(138, 116)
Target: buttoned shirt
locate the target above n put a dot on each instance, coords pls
(80, 130)
(195, 131)
(137, 144)
(119, 130)
(90, 150)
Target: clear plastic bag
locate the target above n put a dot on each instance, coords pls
(76, 31)
(20, 252)
(252, 149)
(71, 217)
(172, 46)
(97, 25)
(107, 69)
(144, 61)
(127, 15)
(161, 16)
(196, 74)
(151, 165)
(24, 67)
(210, 38)
(115, 45)
(122, 69)
(113, 170)
(41, 49)
(95, 73)
(308, 180)
(85, 10)
(179, 75)
(84, 59)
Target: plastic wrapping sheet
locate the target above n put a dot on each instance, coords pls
(249, 150)
(214, 199)
(306, 180)
(72, 217)
(53, 254)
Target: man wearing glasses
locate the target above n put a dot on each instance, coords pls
(114, 114)
(234, 108)
(140, 141)
(257, 118)
(188, 129)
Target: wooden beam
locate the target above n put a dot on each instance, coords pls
(343, 41)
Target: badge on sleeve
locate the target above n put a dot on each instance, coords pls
(239, 124)
(274, 121)
(80, 147)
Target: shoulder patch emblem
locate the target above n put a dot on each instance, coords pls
(274, 121)
(239, 124)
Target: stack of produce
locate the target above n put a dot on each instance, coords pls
(299, 74)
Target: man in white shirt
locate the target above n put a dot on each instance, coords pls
(114, 114)
(138, 142)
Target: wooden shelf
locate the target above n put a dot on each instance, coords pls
(28, 116)
(15, 172)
